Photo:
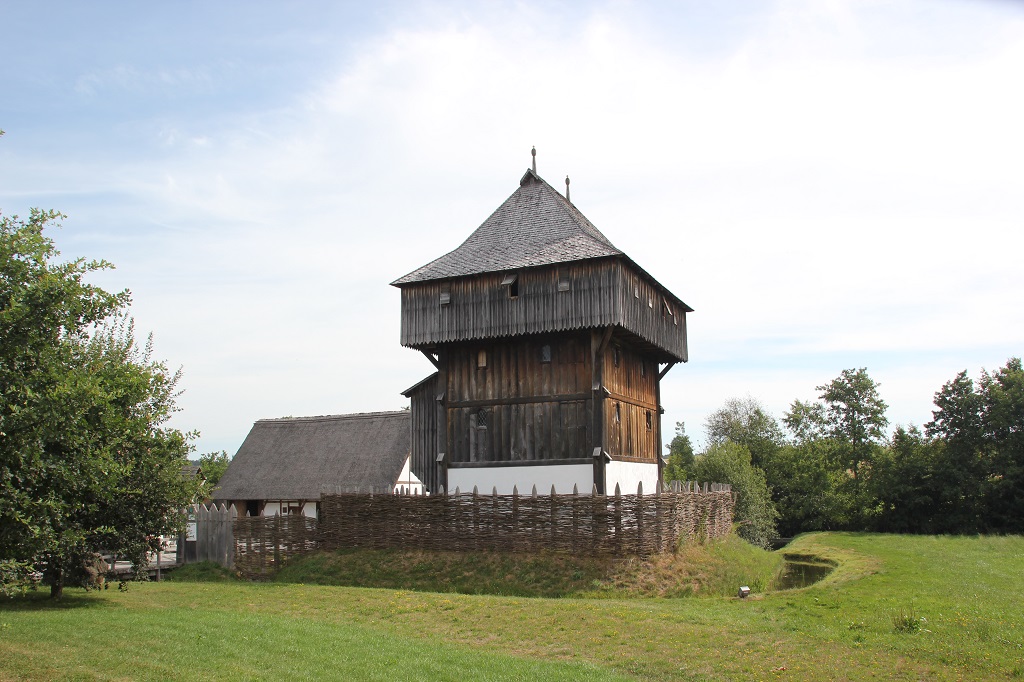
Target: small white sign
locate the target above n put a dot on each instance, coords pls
(190, 531)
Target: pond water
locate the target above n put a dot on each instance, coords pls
(801, 573)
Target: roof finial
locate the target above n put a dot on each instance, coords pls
(533, 153)
(567, 189)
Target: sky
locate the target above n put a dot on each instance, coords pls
(829, 184)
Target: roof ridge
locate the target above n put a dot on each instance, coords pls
(334, 417)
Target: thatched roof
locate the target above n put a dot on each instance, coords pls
(298, 458)
(535, 226)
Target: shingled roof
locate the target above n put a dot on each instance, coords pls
(535, 226)
(298, 458)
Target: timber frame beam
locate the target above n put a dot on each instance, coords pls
(432, 358)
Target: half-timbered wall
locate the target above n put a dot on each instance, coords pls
(579, 295)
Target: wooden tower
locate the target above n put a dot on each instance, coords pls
(549, 344)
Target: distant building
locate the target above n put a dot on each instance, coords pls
(549, 344)
(284, 465)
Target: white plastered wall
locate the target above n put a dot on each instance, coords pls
(562, 476)
(273, 507)
(628, 475)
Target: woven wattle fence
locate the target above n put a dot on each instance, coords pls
(264, 543)
(591, 525)
(587, 525)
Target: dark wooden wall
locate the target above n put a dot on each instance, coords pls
(631, 379)
(503, 401)
(594, 294)
(519, 408)
(424, 406)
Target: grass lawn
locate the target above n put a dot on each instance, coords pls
(897, 607)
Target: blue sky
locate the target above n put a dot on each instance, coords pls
(829, 184)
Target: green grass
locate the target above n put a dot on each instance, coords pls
(964, 593)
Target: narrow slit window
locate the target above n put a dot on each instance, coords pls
(446, 294)
(481, 359)
(650, 421)
(616, 357)
(618, 413)
(481, 419)
(545, 353)
(563, 279)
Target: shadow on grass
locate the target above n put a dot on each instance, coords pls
(39, 600)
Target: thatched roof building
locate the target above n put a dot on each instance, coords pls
(284, 465)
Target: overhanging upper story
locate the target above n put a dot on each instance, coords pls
(536, 266)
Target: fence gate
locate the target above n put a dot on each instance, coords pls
(209, 535)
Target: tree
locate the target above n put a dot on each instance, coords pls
(963, 465)
(983, 427)
(213, 466)
(1002, 395)
(730, 462)
(906, 482)
(816, 480)
(805, 420)
(747, 422)
(854, 416)
(87, 463)
(810, 490)
(680, 457)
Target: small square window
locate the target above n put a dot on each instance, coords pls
(545, 353)
(512, 282)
